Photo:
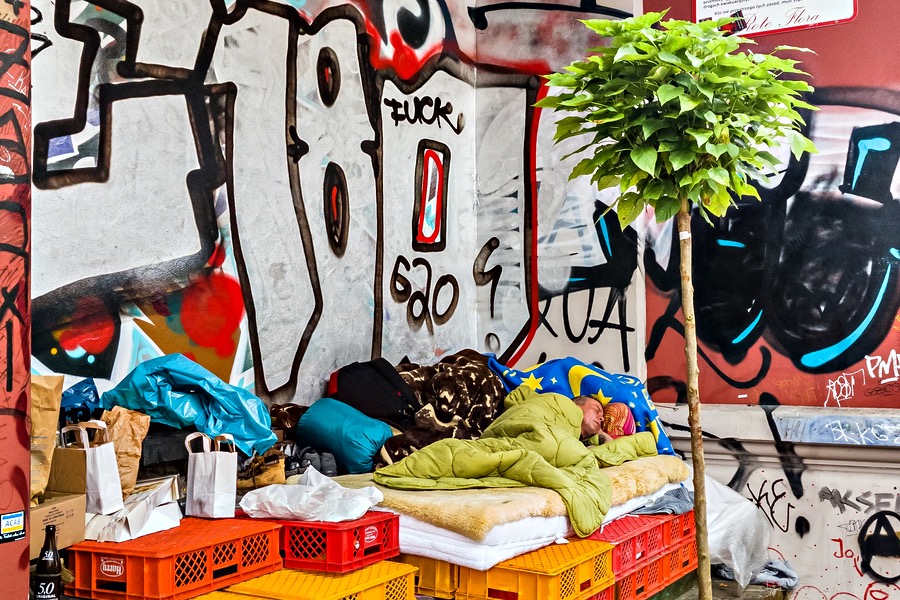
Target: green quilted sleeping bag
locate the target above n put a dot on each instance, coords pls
(534, 442)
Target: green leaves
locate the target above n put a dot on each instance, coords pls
(675, 111)
(667, 92)
(645, 158)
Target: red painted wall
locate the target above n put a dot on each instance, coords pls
(15, 316)
(863, 52)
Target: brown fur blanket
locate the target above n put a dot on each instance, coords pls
(474, 512)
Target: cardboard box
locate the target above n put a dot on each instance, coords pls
(66, 511)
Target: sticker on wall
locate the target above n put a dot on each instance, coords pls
(763, 17)
(12, 526)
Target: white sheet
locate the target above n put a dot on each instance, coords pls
(502, 542)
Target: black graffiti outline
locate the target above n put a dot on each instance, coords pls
(478, 15)
(427, 299)
(668, 321)
(492, 276)
(441, 112)
(761, 497)
(887, 544)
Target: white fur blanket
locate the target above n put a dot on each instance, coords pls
(474, 512)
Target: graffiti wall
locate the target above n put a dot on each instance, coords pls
(797, 311)
(797, 296)
(277, 189)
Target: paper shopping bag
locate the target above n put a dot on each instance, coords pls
(212, 477)
(97, 460)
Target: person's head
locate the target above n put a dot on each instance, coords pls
(592, 417)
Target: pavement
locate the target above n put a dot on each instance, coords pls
(686, 589)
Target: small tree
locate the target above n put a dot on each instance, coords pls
(677, 117)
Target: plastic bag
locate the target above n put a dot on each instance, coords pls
(316, 498)
(177, 392)
(738, 531)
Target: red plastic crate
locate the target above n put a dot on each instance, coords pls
(198, 556)
(642, 582)
(636, 539)
(340, 547)
(678, 528)
(607, 594)
(680, 562)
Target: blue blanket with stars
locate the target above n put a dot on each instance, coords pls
(571, 377)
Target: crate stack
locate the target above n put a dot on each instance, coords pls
(242, 558)
(649, 552)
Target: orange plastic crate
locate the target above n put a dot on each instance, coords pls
(636, 539)
(197, 556)
(680, 561)
(643, 581)
(435, 578)
(578, 570)
(385, 580)
(678, 528)
(340, 547)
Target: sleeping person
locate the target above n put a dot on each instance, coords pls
(608, 422)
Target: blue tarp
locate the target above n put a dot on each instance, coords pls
(177, 392)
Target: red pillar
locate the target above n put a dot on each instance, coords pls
(15, 288)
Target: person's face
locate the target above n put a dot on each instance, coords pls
(592, 419)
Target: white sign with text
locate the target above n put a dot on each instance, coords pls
(772, 16)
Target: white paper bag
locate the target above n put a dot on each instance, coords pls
(212, 477)
(146, 511)
(102, 486)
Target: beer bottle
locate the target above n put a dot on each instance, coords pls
(47, 582)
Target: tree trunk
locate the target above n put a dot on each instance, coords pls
(704, 578)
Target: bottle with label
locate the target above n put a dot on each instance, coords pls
(47, 579)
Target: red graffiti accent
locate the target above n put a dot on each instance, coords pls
(211, 311)
(161, 307)
(874, 591)
(218, 257)
(91, 329)
(397, 55)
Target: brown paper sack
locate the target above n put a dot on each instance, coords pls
(46, 394)
(127, 430)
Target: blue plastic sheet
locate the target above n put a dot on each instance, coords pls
(177, 392)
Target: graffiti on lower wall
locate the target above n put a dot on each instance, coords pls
(834, 513)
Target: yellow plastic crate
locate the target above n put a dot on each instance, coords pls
(384, 580)
(220, 595)
(575, 571)
(436, 578)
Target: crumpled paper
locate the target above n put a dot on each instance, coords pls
(315, 498)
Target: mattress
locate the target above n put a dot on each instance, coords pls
(502, 541)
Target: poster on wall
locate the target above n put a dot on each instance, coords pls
(762, 17)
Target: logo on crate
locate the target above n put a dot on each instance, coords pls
(112, 567)
(370, 534)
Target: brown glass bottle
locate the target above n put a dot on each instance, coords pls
(47, 581)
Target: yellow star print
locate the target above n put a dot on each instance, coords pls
(533, 382)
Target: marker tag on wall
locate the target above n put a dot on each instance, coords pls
(684, 235)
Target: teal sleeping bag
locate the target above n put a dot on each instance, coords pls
(329, 425)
